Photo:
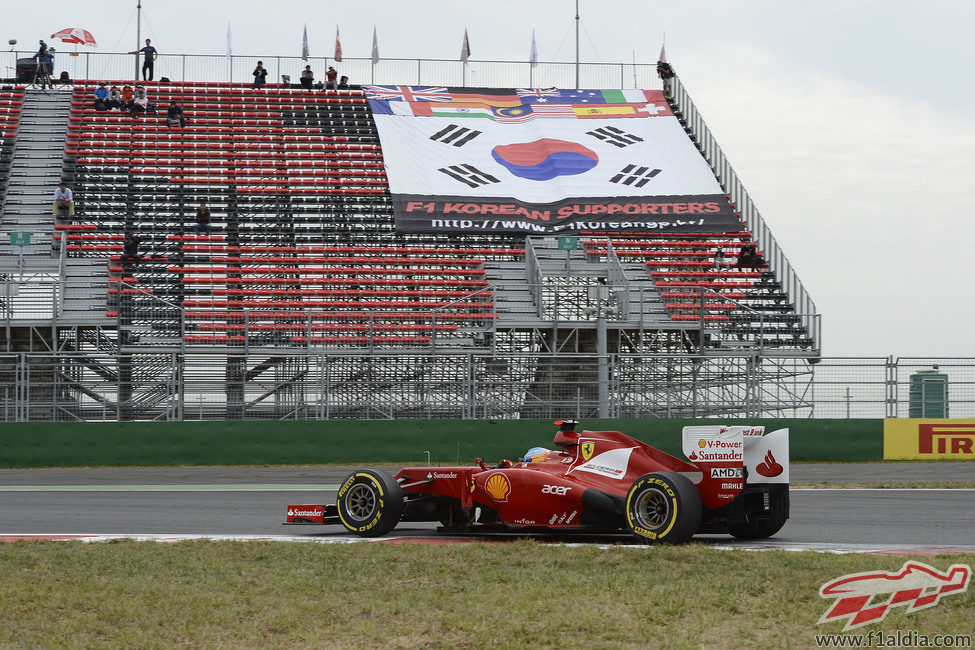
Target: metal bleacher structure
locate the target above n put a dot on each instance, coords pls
(305, 302)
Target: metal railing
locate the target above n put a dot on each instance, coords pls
(94, 385)
(533, 275)
(618, 282)
(778, 262)
(422, 72)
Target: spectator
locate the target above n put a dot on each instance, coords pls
(63, 198)
(747, 256)
(130, 248)
(141, 104)
(101, 97)
(115, 99)
(203, 219)
(666, 73)
(720, 261)
(45, 64)
(307, 77)
(330, 78)
(174, 115)
(128, 97)
(149, 61)
(260, 75)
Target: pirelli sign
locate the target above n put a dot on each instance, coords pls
(917, 439)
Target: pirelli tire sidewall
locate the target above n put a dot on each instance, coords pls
(675, 505)
(370, 502)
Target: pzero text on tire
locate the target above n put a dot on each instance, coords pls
(663, 507)
(370, 503)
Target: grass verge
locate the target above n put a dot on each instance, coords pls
(461, 595)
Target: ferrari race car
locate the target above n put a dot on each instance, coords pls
(737, 482)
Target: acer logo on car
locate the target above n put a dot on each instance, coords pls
(555, 489)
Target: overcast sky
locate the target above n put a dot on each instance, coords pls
(851, 123)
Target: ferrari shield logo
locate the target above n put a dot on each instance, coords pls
(587, 449)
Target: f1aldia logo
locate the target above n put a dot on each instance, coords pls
(863, 598)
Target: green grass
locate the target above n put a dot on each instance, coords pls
(461, 595)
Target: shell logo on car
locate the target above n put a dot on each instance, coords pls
(498, 487)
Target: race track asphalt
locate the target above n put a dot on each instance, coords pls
(252, 501)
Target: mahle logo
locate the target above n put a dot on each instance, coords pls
(867, 597)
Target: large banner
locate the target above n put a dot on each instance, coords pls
(542, 161)
(916, 439)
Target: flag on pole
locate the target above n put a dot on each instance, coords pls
(533, 57)
(338, 46)
(663, 54)
(465, 48)
(375, 46)
(304, 44)
(228, 40)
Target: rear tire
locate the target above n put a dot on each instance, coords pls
(370, 503)
(764, 527)
(663, 507)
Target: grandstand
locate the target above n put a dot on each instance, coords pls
(309, 299)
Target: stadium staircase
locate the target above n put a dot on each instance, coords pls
(36, 168)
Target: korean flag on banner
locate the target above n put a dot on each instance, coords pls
(544, 160)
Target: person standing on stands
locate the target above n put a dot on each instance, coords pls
(666, 73)
(148, 61)
(330, 78)
(307, 77)
(63, 198)
(260, 75)
(203, 219)
(130, 248)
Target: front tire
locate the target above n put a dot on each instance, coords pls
(663, 507)
(370, 503)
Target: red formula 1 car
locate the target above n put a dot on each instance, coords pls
(595, 481)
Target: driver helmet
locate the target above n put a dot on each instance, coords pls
(536, 454)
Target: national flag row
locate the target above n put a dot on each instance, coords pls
(513, 105)
(465, 48)
(508, 96)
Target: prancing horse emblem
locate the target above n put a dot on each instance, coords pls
(587, 449)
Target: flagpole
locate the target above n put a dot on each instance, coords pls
(138, 36)
(577, 44)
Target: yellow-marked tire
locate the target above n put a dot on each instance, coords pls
(370, 503)
(663, 507)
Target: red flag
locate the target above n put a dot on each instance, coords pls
(338, 46)
(663, 54)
